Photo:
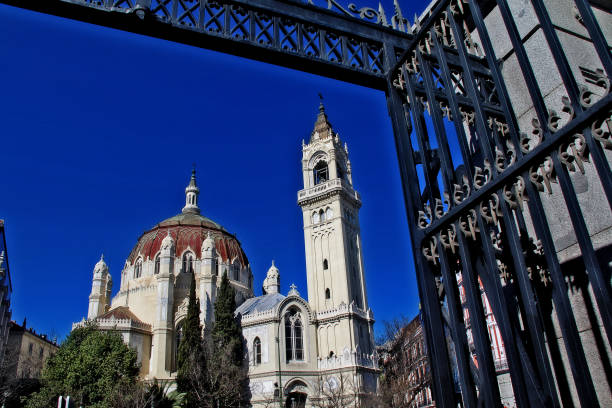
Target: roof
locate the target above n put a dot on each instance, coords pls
(189, 230)
(121, 312)
(15, 328)
(260, 304)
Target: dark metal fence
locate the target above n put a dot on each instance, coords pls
(474, 186)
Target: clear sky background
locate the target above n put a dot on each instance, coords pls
(99, 132)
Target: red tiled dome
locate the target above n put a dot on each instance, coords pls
(189, 230)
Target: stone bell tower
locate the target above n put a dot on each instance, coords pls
(330, 207)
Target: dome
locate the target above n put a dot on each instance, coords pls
(189, 230)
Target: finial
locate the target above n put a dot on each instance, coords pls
(191, 195)
(102, 256)
(273, 262)
(381, 15)
(293, 291)
(321, 107)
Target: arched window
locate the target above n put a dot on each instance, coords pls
(294, 337)
(327, 293)
(322, 215)
(320, 172)
(315, 218)
(188, 262)
(329, 213)
(325, 265)
(178, 337)
(156, 264)
(257, 351)
(138, 269)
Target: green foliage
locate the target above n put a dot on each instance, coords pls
(145, 395)
(226, 331)
(190, 349)
(217, 377)
(88, 366)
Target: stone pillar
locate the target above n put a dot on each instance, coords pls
(163, 328)
(208, 281)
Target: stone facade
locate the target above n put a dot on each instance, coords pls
(27, 351)
(151, 304)
(336, 347)
(297, 349)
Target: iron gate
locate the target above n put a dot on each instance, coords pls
(469, 214)
(478, 182)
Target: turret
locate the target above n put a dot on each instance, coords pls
(164, 324)
(272, 282)
(208, 280)
(99, 299)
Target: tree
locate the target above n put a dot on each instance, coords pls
(401, 381)
(226, 330)
(146, 395)
(217, 377)
(190, 349)
(228, 371)
(88, 366)
(336, 391)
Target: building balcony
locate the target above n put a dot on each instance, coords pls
(328, 187)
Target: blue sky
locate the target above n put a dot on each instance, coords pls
(99, 132)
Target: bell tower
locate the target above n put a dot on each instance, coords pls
(330, 207)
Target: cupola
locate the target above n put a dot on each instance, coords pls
(191, 196)
(101, 268)
(272, 282)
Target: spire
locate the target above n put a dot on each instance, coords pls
(191, 195)
(322, 128)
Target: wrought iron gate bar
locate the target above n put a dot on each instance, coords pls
(567, 322)
(581, 121)
(344, 48)
(445, 230)
(517, 255)
(432, 316)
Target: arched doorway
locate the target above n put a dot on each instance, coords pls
(296, 399)
(296, 395)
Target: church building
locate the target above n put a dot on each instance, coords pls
(299, 348)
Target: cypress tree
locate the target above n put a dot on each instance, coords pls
(226, 331)
(190, 348)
